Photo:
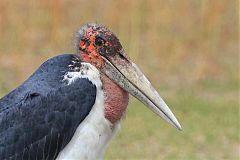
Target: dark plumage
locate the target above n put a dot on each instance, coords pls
(39, 118)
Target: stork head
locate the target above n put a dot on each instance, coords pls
(100, 47)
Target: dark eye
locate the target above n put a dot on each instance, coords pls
(99, 41)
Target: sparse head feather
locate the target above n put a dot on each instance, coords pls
(94, 41)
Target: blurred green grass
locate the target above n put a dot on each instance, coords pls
(189, 50)
(210, 129)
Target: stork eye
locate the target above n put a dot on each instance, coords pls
(99, 41)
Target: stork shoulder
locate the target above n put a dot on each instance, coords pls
(94, 133)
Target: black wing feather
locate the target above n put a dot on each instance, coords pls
(39, 122)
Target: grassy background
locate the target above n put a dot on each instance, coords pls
(189, 50)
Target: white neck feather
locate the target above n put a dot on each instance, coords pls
(93, 134)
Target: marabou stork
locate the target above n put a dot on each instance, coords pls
(71, 107)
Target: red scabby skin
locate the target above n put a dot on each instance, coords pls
(93, 43)
(116, 100)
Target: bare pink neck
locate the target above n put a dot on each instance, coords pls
(116, 100)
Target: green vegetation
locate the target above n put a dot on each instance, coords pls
(188, 49)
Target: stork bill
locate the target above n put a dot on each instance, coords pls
(101, 47)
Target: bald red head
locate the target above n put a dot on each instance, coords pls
(94, 42)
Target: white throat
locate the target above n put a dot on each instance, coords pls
(93, 134)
